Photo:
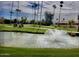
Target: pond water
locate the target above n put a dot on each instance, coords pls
(51, 39)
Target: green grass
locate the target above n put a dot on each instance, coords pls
(8, 51)
(33, 28)
(26, 28)
(39, 52)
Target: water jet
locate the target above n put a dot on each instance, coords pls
(51, 39)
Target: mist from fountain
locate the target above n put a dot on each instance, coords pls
(51, 39)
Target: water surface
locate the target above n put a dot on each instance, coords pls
(51, 39)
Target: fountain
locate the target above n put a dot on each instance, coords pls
(51, 39)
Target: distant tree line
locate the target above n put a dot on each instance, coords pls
(46, 21)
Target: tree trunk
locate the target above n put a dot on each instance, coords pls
(78, 26)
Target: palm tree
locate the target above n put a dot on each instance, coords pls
(37, 12)
(34, 10)
(78, 23)
(61, 5)
(11, 12)
(17, 11)
(54, 6)
(41, 12)
(34, 6)
(48, 18)
(57, 21)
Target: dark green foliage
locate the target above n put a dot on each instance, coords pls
(39, 52)
(61, 2)
(15, 20)
(23, 20)
(6, 21)
(32, 21)
(48, 18)
(54, 6)
(21, 25)
(15, 23)
(78, 23)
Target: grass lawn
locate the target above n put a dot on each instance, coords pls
(39, 52)
(31, 28)
(9, 51)
(26, 28)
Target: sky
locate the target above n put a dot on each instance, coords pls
(69, 11)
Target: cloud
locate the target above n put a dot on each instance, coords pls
(69, 8)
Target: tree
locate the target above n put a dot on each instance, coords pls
(61, 5)
(41, 12)
(57, 21)
(78, 23)
(11, 11)
(54, 7)
(43, 22)
(15, 22)
(6, 21)
(48, 18)
(17, 12)
(32, 21)
(34, 7)
(23, 20)
(71, 23)
(38, 12)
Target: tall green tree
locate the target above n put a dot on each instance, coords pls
(48, 18)
(54, 7)
(15, 22)
(11, 11)
(23, 19)
(41, 9)
(78, 23)
(71, 23)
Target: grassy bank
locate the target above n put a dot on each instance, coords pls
(32, 28)
(8, 51)
(37, 52)
(27, 29)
